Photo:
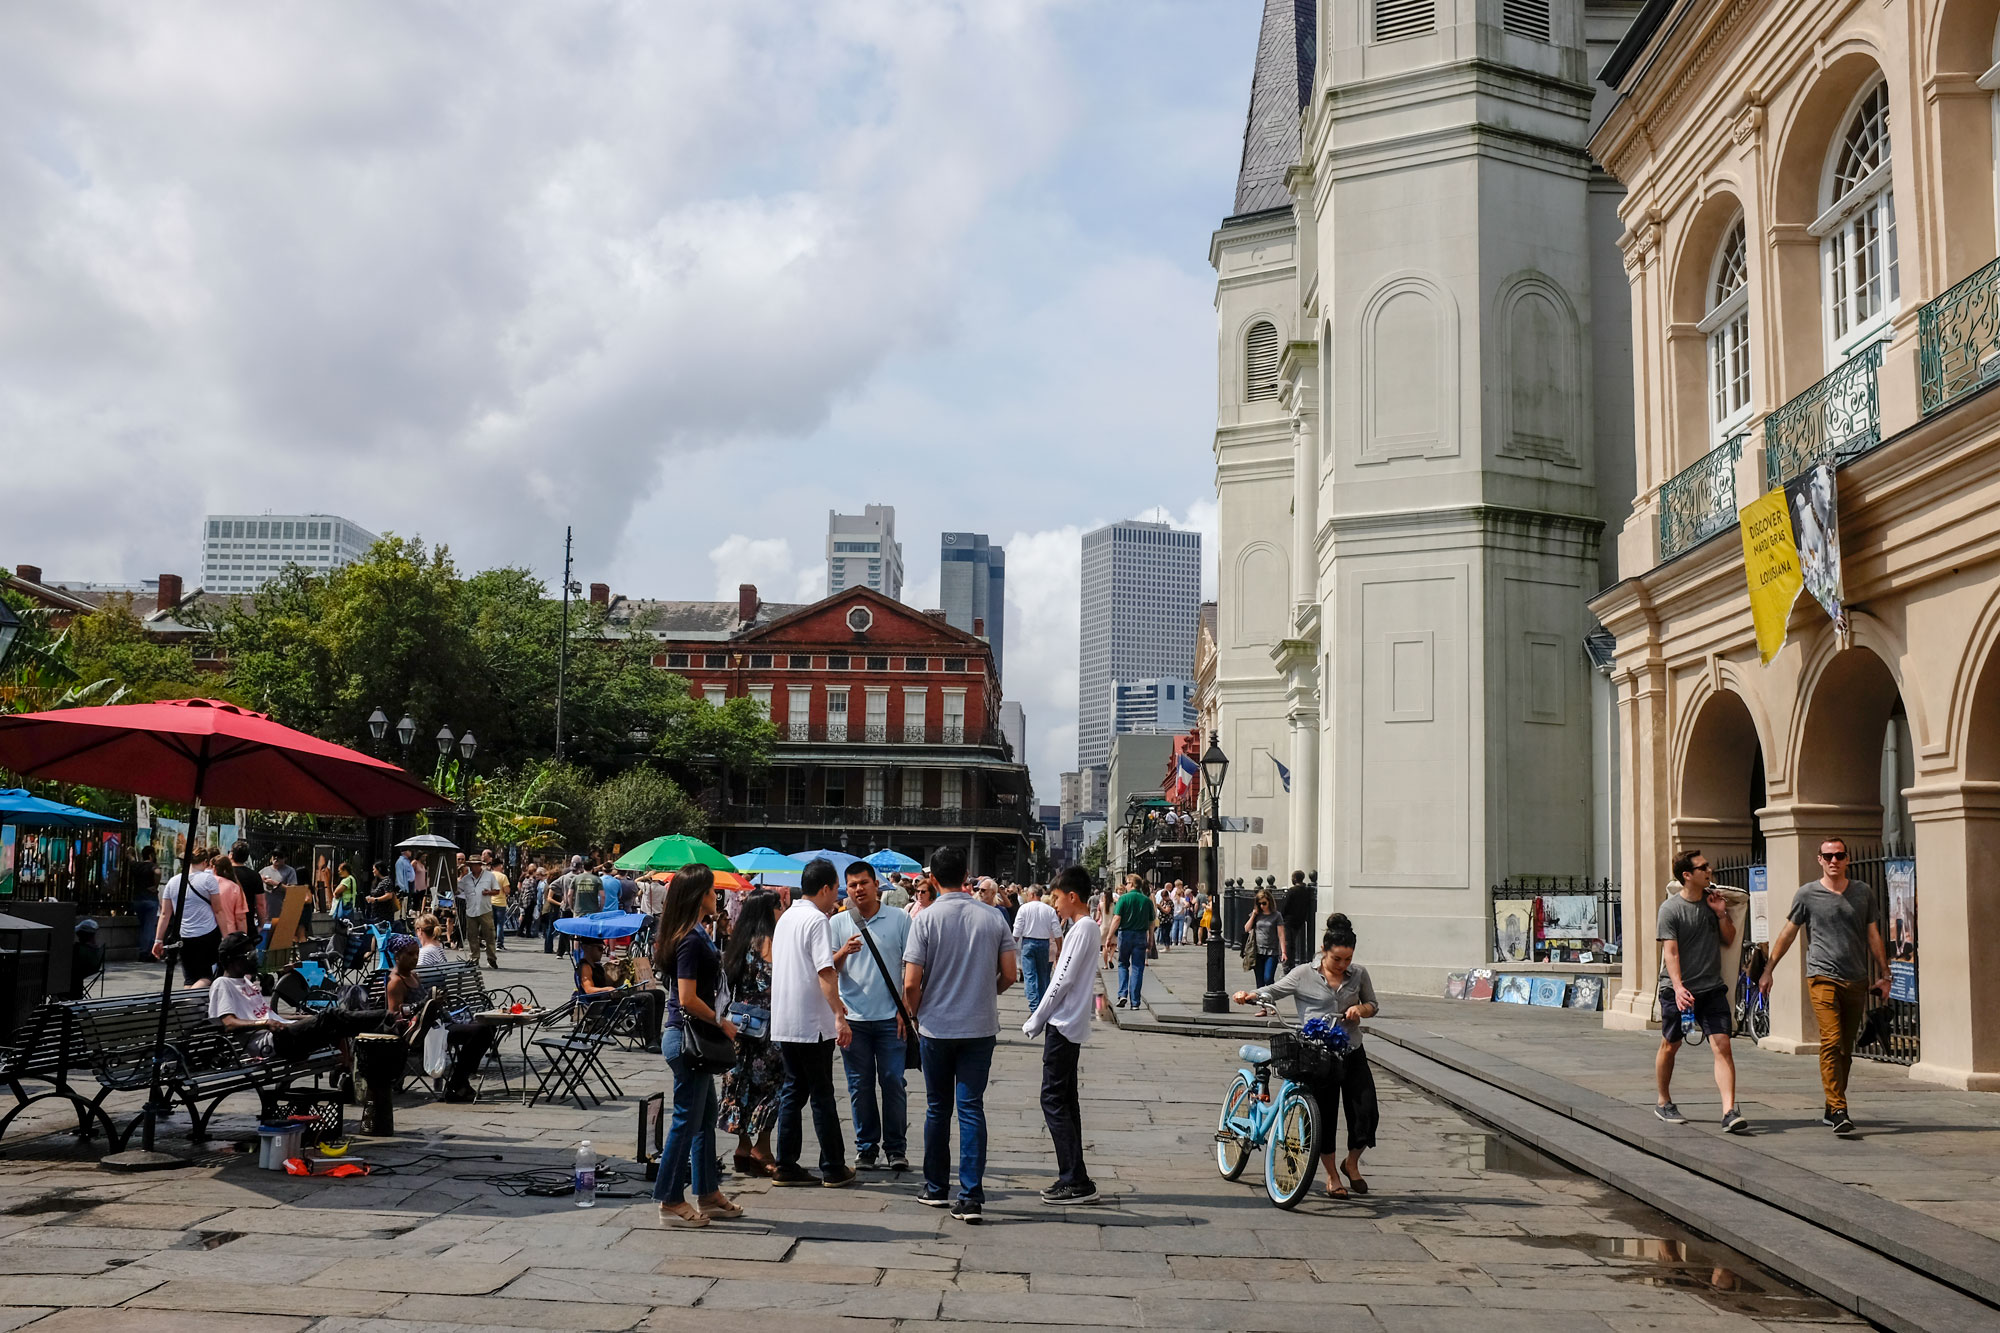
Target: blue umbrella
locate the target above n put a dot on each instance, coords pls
(764, 861)
(841, 860)
(892, 862)
(17, 807)
(601, 925)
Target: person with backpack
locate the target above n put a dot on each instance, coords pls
(189, 903)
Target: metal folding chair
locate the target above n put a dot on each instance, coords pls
(575, 1066)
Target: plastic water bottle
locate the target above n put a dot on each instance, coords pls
(586, 1175)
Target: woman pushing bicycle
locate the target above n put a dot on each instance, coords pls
(1337, 989)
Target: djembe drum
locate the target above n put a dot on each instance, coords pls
(378, 1065)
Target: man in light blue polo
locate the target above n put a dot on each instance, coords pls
(875, 1058)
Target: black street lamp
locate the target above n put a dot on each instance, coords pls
(378, 726)
(1214, 770)
(406, 733)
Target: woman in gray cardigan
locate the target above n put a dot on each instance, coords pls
(1337, 989)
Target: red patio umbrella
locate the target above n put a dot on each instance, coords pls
(201, 752)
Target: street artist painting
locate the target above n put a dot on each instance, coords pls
(1791, 542)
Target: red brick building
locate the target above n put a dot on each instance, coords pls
(888, 723)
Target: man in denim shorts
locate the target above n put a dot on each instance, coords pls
(1694, 925)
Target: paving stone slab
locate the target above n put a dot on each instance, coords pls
(1259, 1317)
(233, 1298)
(822, 1298)
(580, 1316)
(110, 1289)
(166, 1321)
(421, 1275)
(1061, 1311)
(566, 1284)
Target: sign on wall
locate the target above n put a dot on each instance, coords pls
(1791, 542)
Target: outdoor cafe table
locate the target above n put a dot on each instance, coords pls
(520, 1025)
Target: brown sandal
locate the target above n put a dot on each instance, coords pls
(749, 1164)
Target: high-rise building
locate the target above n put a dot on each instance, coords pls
(1152, 705)
(241, 552)
(862, 552)
(972, 585)
(1141, 591)
(1014, 729)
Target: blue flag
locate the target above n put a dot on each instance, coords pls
(1284, 774)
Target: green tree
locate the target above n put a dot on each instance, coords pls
(642, 803)
(111, 643)
(567, 792)
(1096, 854)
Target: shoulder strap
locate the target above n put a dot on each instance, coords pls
(895, 991)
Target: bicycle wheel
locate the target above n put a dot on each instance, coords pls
(1760, 1018)
(1293, 1149)
(1232, 1142)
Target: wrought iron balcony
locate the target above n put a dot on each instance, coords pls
(871, 816)
(953, 732)
(1700, 501)
(1958, 339)
(1835, 420)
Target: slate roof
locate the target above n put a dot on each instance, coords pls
(688, 620)
(1280, 85)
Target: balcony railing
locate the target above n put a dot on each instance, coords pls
(867, 816)
(1833, 421)
(877, 733)
(1958, 339)
(1700, 501)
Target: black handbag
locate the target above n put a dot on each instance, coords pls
(913, 1050)
(705, 1046)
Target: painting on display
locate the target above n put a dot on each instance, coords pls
(1569, 916)
(1479, 984)
(1547, 992)
(1513, 929)
(1901, 874)
(1586, 993)
(1454, 985)
(7, 837)
(1512, 989)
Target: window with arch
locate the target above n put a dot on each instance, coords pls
(1260, 362)
(1727, 325)
(1858, 230)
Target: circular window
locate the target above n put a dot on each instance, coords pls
(859, 619)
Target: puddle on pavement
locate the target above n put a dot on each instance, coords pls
(215, 1240)
(1674, 1259)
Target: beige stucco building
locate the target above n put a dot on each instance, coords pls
(1809, 234)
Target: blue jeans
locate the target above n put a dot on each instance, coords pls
(1267, 969)
(955, 1071)
(690, 1149)
(1034, 970)
(1131, 964)
(549, 937)
(874, 1061)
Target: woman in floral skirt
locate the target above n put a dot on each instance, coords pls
(750, 1090)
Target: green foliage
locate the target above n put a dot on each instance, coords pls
(566, 792)
(110, 644)
(1096, 854)
(517, 810)
(642, 803)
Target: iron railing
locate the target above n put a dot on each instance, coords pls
(872, 816)
(1835, 420)
(1958, 339)
(1700, 501)
(875, 733)
(1559, 919)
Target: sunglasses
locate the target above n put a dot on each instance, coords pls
(1833, 856)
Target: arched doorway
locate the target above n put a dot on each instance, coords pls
(1721, 791)
(1856, 761)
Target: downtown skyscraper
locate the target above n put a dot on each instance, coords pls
(1141, 598)
(972, 589)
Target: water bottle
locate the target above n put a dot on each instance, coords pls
(586, 1175)
(1691, 1030)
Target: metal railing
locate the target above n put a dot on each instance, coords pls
(1958, 339)
(871, 816)
(1559, 918)
(1835, 420)
(877, 733)
(1700, 501)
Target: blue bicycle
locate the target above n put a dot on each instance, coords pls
(1265, 1110)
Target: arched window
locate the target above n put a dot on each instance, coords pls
(1260, 362)
(1858, 230)
(1727, 325)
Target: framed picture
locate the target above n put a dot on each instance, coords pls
(1569, 916)
(1454, 985)
(1512, 989)
(1586, 993)
(1513, 929)
(1547, 992)
(1479, 984)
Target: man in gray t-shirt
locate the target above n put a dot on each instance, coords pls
(1694, 924)
(959, 958)
(1838, 915)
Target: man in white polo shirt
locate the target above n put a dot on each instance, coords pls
(807, 1021)
(1038, 938)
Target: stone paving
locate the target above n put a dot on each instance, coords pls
(1458, 1219)
(1934, 1149)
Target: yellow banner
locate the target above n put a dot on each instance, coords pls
(1771, 561)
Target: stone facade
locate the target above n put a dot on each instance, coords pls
(1763, 148)
(1412, 481)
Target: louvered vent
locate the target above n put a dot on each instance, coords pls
(1526, 18)
(1404, 18)
(1260, 363)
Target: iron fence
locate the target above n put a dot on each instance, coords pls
(1958, 339)
(1834, 421)
(1700, 501)
(1556, 919)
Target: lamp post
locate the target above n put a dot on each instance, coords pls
(1214, 770)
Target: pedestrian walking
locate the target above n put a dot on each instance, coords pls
(555, 905)
(1063, 1019)
(877, 1058)
(1134, 911)
(1337, 989)
(686, 961)
(381, 900)
(145, 880)
(1297, 907)
(502, 897)
(476, 887)
(1838, 915)
(808, 1020)
(1038, 940)
(1694, 926)
(586, 889)
(1264, 939)
(199, 933)
(959, 959)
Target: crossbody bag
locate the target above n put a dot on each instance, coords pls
(913, 1051)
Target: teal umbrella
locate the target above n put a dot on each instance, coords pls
(764, 861)
(17, 807)
(892, 862)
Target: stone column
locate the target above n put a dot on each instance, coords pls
(1297, 661)
(1792, 835)
(1958, 918)
(1645, 858)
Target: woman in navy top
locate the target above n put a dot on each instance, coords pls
(685, 959)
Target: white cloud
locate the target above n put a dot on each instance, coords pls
(766, 562)
(1044, 588)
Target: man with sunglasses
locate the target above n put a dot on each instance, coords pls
(1694, 926)
(1838, 914)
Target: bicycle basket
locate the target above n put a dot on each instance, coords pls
(1302, 1059)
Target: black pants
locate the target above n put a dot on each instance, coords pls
(198, 955)
(809, 1078)
(1060, 1108)
(1354, 1084)
(651, 1006)
(297, 1040)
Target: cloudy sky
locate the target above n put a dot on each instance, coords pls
(683, 274)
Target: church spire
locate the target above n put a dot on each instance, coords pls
(1279, 87)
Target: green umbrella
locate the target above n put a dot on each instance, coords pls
(671, 853)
